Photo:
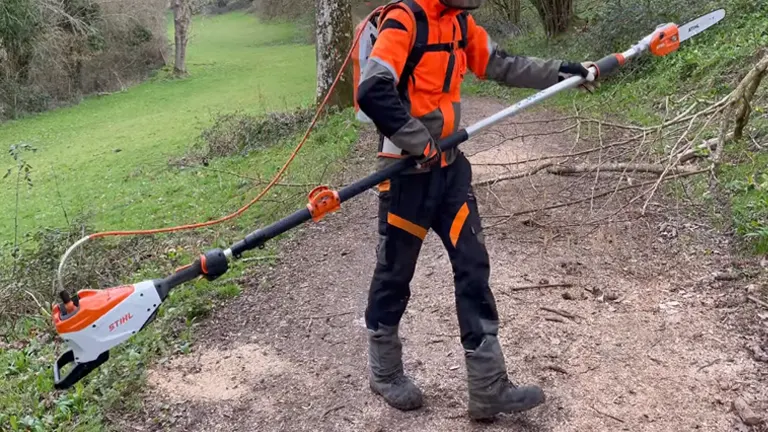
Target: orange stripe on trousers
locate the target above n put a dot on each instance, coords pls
(407, 226)
(449, 117)
(458, 223)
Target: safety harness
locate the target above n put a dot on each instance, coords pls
(371, 28)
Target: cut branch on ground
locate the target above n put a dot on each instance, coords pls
(614, 167)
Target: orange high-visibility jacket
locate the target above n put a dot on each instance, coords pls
(428, 105)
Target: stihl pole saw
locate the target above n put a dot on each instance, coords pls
(93, 321)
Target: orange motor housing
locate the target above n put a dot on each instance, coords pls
(93, 305)
(665, 40)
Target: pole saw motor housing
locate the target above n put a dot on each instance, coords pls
(94, 321)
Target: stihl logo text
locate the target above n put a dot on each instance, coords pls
(120, 322)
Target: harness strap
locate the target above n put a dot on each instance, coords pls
(420, 46)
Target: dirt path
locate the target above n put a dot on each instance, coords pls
(650, 348)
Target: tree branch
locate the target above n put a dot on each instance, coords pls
(513, 176)
(613, 167)
(583, 200)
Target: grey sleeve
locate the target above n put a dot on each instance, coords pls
(521, 71)
(378, 99)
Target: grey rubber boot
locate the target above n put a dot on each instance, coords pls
(490, 391)
(387, 377)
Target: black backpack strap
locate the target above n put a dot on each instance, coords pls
(418, 49)
(462, 18)
(421, 45)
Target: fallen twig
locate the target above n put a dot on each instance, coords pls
(560, 312)
(515, 175)
(42, 309)
(758, 301)
(443, 335)
(556, 368)
(693, 153)
(607, 415)
(521, 136)
(555, 319)
(712, 363)
(332, 409)
(727, 276)
(529, 287)
(329, 315)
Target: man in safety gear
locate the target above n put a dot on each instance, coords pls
(410, 89)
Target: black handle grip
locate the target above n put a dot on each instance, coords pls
(608, 64)
(452, 141)
(187, 274)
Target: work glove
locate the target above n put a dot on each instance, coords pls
(431, 156)
(568, 70)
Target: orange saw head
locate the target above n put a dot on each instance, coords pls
(665, 40)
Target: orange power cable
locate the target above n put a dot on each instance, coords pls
(267, 188)
(239, 212)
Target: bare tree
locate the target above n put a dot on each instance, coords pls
(334, 38)
(182, 19)
(509, 9)
(555, 15)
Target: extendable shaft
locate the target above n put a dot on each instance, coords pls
(258, 238)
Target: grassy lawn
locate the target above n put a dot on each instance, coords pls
(107, 159)
(109, 155)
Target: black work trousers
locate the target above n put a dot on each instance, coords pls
(441, 200)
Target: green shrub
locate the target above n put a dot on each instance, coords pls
(239, 133)
(52, 52)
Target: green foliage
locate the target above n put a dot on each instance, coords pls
(746, 182)
(56, 50)
(139, 35)
(24, 169)
(19, 23)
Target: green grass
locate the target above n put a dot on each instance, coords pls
(236, 64)
(110, 154)
(708, 66)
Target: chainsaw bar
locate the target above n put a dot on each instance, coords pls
(700, 24)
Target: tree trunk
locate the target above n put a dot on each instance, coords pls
(509, 9)
(182, 18)
(514, 11)
(334, 38)
(555, 15)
